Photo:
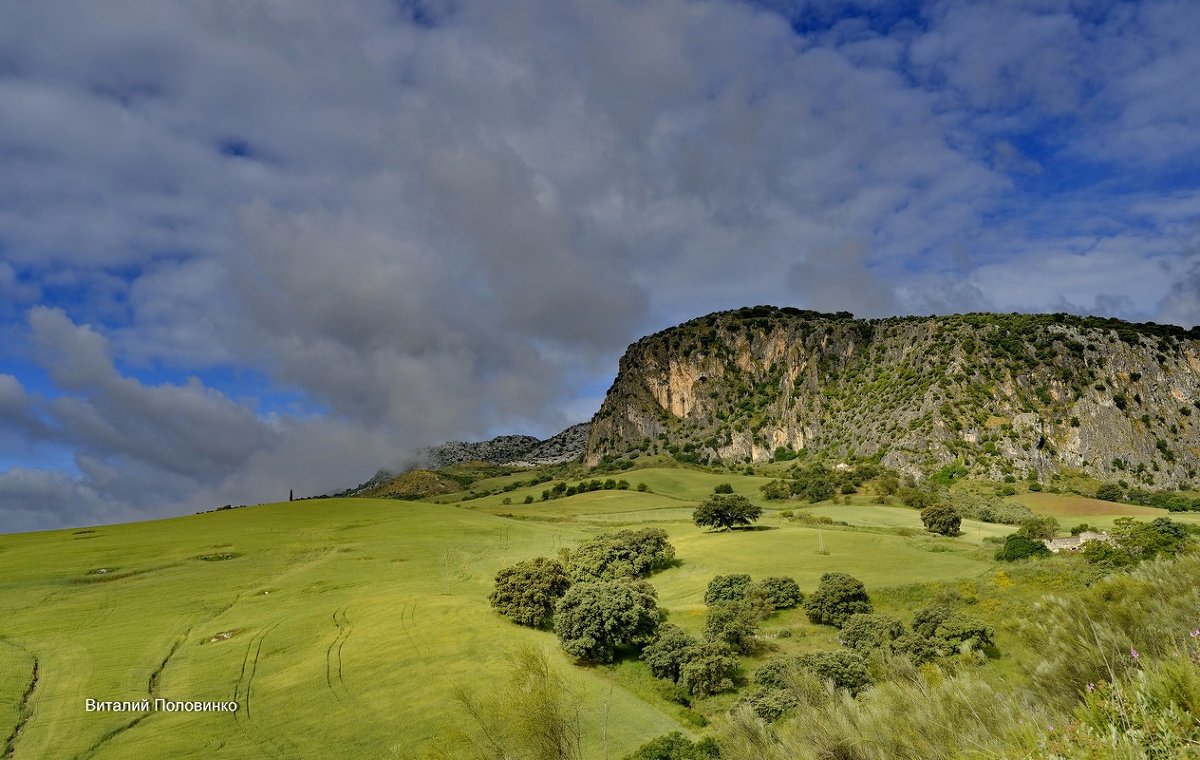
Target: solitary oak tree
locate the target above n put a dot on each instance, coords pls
(726, 511)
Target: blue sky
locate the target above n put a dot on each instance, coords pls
(254, 247)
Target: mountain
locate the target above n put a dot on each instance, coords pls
(1002, 394)
(518, 450)
(523, 450)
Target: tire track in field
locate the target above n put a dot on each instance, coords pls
(405, 612)
(244, 687)
(333, 655)
(154, 682)
(25, 710)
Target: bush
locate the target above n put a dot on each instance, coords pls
(710, 671)
(866, 632)
(838, 596)
(782, 591)
(959, 630)
(669, 652)
(1018, 547)
(1038, 528)
(723, 488)
(734, 623)
(727, 588)
(941, 519)
(594, 618)
(770, 704)
(845, 668)
(528, 591)
(675, 746)
(621, 554)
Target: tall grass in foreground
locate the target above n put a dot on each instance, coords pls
(1118, 677)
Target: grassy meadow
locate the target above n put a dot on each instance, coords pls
(344, 627)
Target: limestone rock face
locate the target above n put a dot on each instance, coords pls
(1002, 393)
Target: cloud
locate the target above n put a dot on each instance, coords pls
(838, 280)
(280, 245)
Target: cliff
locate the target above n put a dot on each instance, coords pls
(1005, 394)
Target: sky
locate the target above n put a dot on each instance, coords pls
(253, 246)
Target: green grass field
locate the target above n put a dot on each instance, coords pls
(344, 627)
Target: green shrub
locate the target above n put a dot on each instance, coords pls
(528, 591)
(675, 746)
(941, 519)
(838, 596)
(1019, 547)
(595, 618)
(727, 588)
(783, 592)
(844, 668)
(710, 671)
(669, 652)
(621, 554)
(769, 704)
(866, 632)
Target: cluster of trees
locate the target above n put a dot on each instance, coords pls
(815, 482)
(783, 683)
(1132, 541)
(594, 596)
(561, 489)
(1129, 541)
(1170, 500)
(1028, 539)
(736, 606)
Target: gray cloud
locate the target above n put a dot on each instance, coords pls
(442, 227)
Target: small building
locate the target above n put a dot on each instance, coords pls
(1073, 543)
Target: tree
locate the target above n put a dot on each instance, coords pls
(711, 670)
(926, 621)
(866, 632)
(1017, 546)
(726, 511)
(735, 623)
(942, 519)
(958, 630)
(727, 588)
(844, 668)
(838, 596)
(528, 591)
(669, 652)
(783, 592)
(1038, 528)
(770, 704)
(594, 618)
(621, 554)
(675, 746)
(921, 496)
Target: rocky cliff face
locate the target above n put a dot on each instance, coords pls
(1002, 393)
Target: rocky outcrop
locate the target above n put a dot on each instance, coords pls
(1005, 394)
(520, 450)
